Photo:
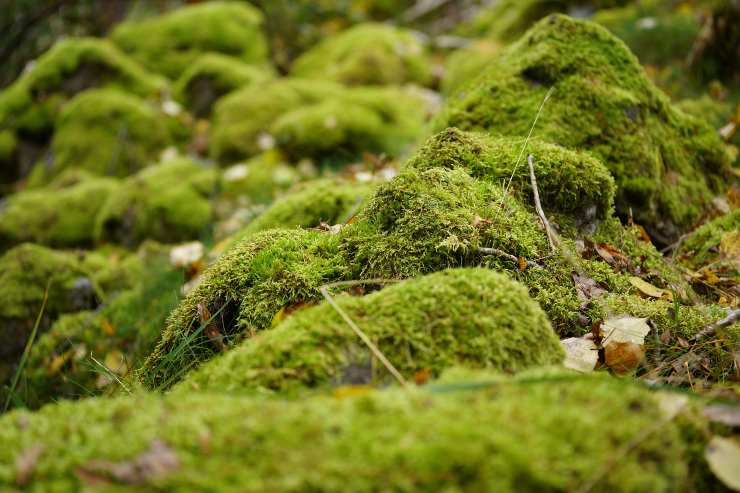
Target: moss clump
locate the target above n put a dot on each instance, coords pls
(421, 325)
(168, 202)
(465, 64)
(107, 132)
(367, 54)
(25, 273)
(570, 182)
(234, 137)
(666, 164)
(479, 433)
(243, 291)
(60, 216)
(332, 201)
(704, 246)
(172, 42)
(212, 76)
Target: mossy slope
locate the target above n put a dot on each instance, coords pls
(666, 164)
(170, 43)
(542, 433)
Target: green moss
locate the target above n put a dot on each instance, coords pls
(212, 76)
(168, 202)
(59, 216)
(25, 273)
(332, 201)
(570, 182)
(30, 105)
(465, 64)
(702, 247)
(172, 42)
(667, 165)
(421, 325)
(644, 27)
(107, 132)
(234, 137)
(478, 433)
(244, 290)
(367, 54)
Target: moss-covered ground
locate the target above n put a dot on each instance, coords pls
(376, 245)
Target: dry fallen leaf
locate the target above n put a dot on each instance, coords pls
(729, 247)
(586, 287)
(580, 354)
(115, 361)
(671, 403)
(623, 357)
(723, 413)
(723, 456)
(107, 327)
(25, 463)
(183, 256)
(649, 290)
(157, 461)
(612, 256)
(625, 329)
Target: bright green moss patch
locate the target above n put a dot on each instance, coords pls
(367, 54)
(212, 76)
(667, 165)
(25, 273)
(469, 317)
(241, 294)
(478, 433)
(168, 202)
(571, 182)
(107, 132)
(171, 43)
(59, 216)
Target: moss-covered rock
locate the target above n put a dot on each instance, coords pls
(212, 76)
(106, 132)
(666, 164)
(241, 294)
(59, 215)
(168, 202)
(476, 432)
(331, 201)
(172, 42)
(713, 243)
(367, 54)
(25, 273)
(420, 325)
(465, 64)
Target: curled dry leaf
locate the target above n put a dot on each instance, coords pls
(580, 354)
(723, 456)
(649, 290)
(623, 357)
(612, 256)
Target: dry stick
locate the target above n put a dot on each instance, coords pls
(501, 253)
(730, 319)
(373, 348)
(537, 205)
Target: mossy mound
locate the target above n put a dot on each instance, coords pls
(420, 325)
(241, 294)
(168, 202)
(25, 273)
(172, 42)
(713, 243)
(332, 201)
(477, 433)
(666, 164)
(465, 64)
(570, 182)
(106, 132)
(60, 216)
(119, 335)
(367, 54)
(212, 76)
(316, 119)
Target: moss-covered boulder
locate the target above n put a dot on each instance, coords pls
(212, 76)
(420, 326)
(59, 215)
(667, 165)
(241, 294)
(367, 54)
(167, 202)
(474, 432)
(26, 272)
(106, 132)
(332, 201)
(170, 43)
(465, 64)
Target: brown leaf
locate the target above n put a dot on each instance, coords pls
(585, 286)
(612, 256)
(209, 328)
(649, 290)
(25, 463)
(421, 377)
(623, 357)
(157, 461)
(522, 263)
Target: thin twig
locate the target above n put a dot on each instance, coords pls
(501, 253)
(373, 348)
(538, 205)
(732, 318)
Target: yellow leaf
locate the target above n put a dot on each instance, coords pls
(116, 362)
(723, 456)
(352, 391)
(107, 327)
(729, 247)
(279, 316)
(649, 290)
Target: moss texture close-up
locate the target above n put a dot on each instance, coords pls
(667, 165)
